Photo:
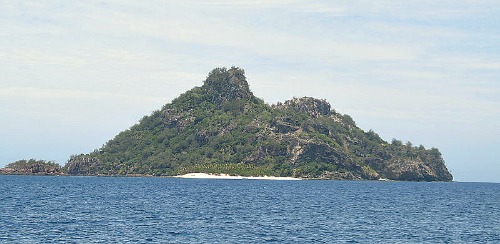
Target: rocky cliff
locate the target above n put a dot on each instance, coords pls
(221, 127)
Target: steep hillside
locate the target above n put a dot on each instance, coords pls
(221, 127)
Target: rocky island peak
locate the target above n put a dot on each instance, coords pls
(227, 84)
(222, 128)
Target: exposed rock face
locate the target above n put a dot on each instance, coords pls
(226, 85)
(81, 165)
(417, 171)
(221, 127)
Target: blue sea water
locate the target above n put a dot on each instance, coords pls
(46, 209)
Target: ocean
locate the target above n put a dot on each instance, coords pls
(49, 209)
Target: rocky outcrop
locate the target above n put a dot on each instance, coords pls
(417, 170)
(82, 164)
(225, 85)
(32, 167)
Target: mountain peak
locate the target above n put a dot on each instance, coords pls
(227, 84)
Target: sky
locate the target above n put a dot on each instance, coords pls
(73, 74)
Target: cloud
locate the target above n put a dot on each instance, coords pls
(36, 93)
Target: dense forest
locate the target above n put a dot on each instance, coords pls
(221, 127)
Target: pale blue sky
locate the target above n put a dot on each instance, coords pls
(74, 74)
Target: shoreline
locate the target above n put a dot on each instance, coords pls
(231, 177)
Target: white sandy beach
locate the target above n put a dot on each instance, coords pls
(231, 177)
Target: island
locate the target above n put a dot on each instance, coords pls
(32, 167)
(221, 128)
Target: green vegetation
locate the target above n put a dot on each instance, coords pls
(32, 167)
(221, 127)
